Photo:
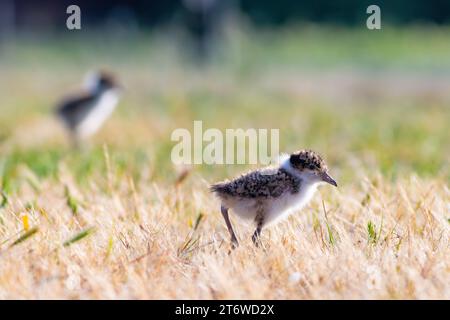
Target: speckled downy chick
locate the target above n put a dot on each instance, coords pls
(268, 195)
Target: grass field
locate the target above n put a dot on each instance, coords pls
(116, 221)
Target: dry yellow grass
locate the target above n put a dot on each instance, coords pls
(145, 245)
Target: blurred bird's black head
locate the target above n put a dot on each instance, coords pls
(106, 81)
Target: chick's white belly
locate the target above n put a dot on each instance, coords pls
(244, 208)
(289, 203)
(282, 208)
(275, 209)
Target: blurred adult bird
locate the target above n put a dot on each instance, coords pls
(84, 113)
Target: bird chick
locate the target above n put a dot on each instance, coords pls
(268, 195)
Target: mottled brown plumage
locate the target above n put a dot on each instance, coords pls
(263, 183)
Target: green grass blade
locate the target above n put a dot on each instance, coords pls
(79, 236)
(198, 220)
(372, 232)
(71, 202)
(25, 236)
(331, 238)
(4, 201)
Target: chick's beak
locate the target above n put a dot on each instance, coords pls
(326, 178)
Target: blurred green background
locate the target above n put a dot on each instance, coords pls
(369, 101)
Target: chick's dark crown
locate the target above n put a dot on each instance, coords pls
(307, 159)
